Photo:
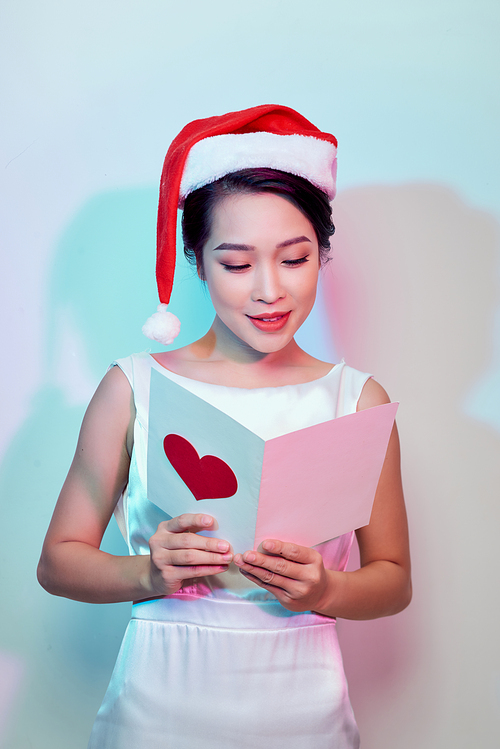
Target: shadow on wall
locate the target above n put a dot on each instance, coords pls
(102, 289)
(411, 295)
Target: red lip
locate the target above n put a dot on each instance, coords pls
(270, 322)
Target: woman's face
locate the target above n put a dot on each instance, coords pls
(261, 264)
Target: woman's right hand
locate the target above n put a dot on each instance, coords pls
(72, 564)
(179, 553)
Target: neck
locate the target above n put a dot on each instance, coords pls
(220, 344)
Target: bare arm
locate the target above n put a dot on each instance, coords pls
(71, 563)
(382, 585)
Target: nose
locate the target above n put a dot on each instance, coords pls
(268, 287)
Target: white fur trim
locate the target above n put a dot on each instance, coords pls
(302, 155)
(162, 326)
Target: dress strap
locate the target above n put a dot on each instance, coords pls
(351, 385)
(137, 369)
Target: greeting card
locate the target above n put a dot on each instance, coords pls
(307, 486)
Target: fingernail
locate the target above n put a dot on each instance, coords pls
(223, 546)
(227, 557)
(249, 556)
(268, 545)
(206, 520)
(238, 559)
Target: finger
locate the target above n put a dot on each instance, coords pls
(289, 601)
(279, 566)
(273, 573)
(294, 552)
(190, 558)
(189, 522)
(201, 571)
(269, 580)
(288, 592)
(169, 540)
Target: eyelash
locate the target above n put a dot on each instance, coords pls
(234, 268)
(289, 263)
(299, 261)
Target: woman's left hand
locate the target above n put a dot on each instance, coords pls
(295, 574)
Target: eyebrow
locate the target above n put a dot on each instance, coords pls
(249, 247)
(230, 246)
(295, 240)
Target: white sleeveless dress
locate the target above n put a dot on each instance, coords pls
(221, 664)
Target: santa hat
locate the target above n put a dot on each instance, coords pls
(205, 150)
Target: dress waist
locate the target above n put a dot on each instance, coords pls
(234, 613)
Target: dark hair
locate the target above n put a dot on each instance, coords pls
(199, 205)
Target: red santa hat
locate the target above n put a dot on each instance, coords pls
(205, 150)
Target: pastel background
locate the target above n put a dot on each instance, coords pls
(92, 94)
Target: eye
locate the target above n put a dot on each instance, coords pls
(298, 261)
(235, 268)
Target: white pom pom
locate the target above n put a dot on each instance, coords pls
(162, 326)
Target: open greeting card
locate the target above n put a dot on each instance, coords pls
(307, 486)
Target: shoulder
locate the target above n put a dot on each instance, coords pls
(111, 412)
(113, 395)
(373, 394)
(115, 382)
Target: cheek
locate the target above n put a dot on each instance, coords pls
(226, 290)
(305, 289)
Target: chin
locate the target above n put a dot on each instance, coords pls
(260, 341)
(267, 343)
(269, 348)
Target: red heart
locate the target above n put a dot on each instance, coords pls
(207, 477)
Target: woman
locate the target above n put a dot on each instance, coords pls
(227, 648)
